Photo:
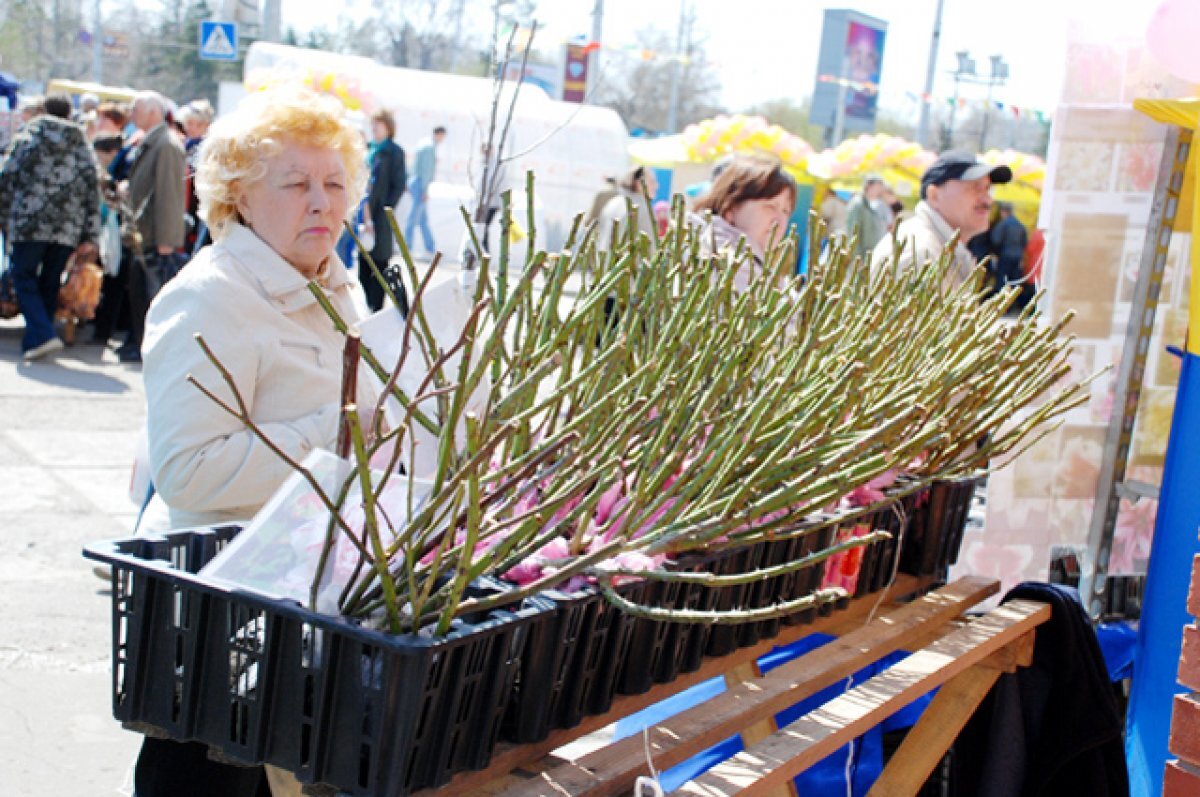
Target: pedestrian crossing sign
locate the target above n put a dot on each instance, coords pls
(218, 41)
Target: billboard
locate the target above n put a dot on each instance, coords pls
(849, 66)
(575, 74)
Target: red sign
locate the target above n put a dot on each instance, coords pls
(575, 74)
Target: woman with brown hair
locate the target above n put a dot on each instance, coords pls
(753, 198)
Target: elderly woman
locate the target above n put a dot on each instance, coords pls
(275, 180)
(752, 198)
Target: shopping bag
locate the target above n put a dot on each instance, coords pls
(110, 244)
(79, 295)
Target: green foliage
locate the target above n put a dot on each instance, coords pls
(171, 63)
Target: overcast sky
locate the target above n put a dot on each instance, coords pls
(767, 49)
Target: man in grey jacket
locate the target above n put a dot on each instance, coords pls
(157, 197)
(49, 208)
(955, 199)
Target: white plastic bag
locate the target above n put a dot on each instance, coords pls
(279, 551)
(110, 245)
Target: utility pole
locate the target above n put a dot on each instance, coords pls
(926, 98)
(272, 22)
(456, 37)
(676, 71)
(594, 56)
(97, 44)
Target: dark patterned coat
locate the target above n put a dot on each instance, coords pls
(49, 189)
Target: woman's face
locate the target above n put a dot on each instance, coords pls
(379, 131)
(195, 128)
(757, 217)
(298, 207)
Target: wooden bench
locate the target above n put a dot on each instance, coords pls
(964, 658)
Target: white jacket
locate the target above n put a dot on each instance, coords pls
(924, 236)
(255, 312)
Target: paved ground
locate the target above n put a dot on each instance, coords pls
(67, 437)
(68, 427)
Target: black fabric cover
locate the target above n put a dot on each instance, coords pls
(1053, 728)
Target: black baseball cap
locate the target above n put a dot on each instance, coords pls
(955, 165)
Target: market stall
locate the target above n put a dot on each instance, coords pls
(591, 503)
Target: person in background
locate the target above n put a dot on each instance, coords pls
(634, 187)
(88, 103)
(424, 170)
(195, 117)
(833, 212)
(31, 108)
(601, 199)
(753, 199)
(114, 118)
(276, 179)
(49, 209)
(114, 288)
(386, 161)
(866, 217)
(492, 183)
(1009, 241)
(955, 200)
(156, 199)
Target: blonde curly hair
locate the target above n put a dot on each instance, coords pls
(235, 151)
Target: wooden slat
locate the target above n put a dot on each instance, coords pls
(927, 742)
(613, 769)
(510, 757)
(752, 735)
(811, 738)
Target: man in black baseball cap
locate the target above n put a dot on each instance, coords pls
(955, 197)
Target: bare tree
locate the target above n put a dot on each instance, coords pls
(425, 34)
(639, 90)
(40, 40)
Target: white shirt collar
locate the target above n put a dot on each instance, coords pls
(277, 278)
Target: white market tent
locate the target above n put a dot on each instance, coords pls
(570, 147)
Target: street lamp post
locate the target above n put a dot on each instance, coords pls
(997, 78)
(965, 73)
(965, 68)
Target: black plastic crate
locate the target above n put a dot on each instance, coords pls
(547, 668)
(684, 643)
(939, 517)
(722, 639)
(604, 657)
(769, 591)
(267, 681)
(649, 656)
(808, 580)
(571, 663)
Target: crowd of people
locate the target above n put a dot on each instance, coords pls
(101, 181)
(114, 183)
(255, 207)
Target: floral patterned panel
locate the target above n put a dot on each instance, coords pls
(1101, 171)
